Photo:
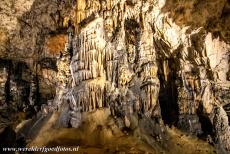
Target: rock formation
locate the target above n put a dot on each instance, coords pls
(163, 61)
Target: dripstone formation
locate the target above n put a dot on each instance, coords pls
(142, 58)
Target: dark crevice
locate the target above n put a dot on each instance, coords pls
(132, 33)
(58, 31)
(48, 63)
(37, 91)
(206, 125)
(168, 92)
(7, 85)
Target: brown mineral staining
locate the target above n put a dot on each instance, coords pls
(2, 37)
(56, 44)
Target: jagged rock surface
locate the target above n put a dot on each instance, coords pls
(123, 56)
(158, 59)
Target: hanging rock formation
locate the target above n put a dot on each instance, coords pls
(122, 52)
(158, 60)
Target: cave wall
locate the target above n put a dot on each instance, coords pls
(159, 59)
(130, 56)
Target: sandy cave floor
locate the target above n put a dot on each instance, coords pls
(99, 134)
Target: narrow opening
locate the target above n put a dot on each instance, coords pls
(206, 125)
(168, 92)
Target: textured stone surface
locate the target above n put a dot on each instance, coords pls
(163, 61)
(123, 56)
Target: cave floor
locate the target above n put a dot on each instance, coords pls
(99, 134)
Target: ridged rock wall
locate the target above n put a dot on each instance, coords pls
(129, 56)
(167, 61)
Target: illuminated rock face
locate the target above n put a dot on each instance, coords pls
(105, 70)
(132, 58)
(145, 58)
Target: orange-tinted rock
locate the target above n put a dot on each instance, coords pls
(56, 44)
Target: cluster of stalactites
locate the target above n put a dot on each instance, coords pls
(88, 59)
(112, 65)
(89, 98)
(115, 62)
(85, 9)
